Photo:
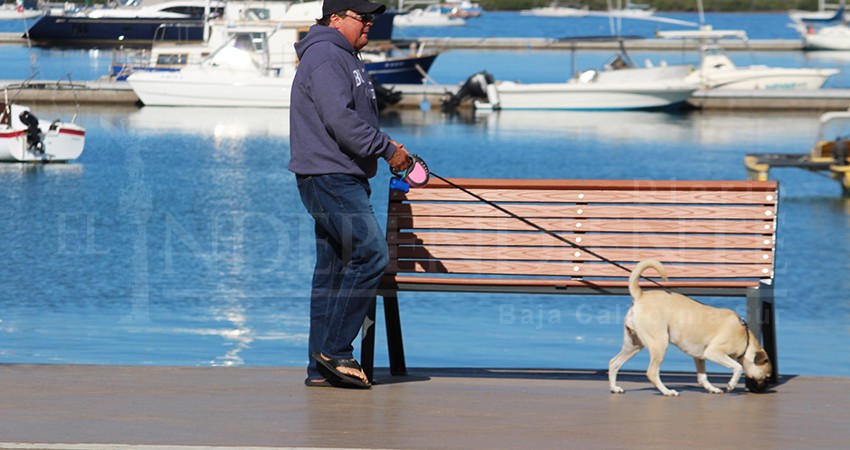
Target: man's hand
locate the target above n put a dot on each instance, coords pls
(401, 158)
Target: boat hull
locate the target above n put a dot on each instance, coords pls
(574, 96)
(766, 79)
(828, 38)
(73, 30)
(61, 144)
(409, 70)
(556, 11)
(198, 87)
(14, 14)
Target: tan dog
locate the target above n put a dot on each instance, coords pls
(703, 332)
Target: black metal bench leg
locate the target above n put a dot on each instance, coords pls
(367, 342)
(762, 322)
(395, 344)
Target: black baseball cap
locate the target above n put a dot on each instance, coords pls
(359, 6)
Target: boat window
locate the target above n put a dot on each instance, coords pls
(172, 59)
(257, 14)
(254, 42)
(617, 62)
(5, 117)
(194, 11)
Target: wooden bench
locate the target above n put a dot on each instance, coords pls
(715, 238)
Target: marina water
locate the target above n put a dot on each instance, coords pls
(178, 238)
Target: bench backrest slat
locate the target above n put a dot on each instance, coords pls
(639, 240)
(704, 230)
(536, 211)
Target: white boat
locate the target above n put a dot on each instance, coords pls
(631, 10)
(230, 77)
(717, 71)
(430, 16)
(18, 12)
(253, 65)
(616, 89)
(556, 10)
(826, 12)
(25, 138)
(835, 37)
(464, 9)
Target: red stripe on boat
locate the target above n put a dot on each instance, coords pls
(74, 132)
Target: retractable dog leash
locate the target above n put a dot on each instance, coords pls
(416, 175)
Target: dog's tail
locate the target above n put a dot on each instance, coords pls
(634, 279)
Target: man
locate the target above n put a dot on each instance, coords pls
(335, 146)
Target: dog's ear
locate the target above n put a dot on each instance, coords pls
(761, 358)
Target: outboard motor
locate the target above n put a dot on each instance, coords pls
(839, 152)
(34, 143)
(474, 87)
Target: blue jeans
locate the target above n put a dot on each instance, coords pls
(351, 255)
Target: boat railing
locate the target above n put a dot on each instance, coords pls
(58, 85)
(183, 30)
(73, 92)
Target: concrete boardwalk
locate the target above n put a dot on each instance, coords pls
(61, 407)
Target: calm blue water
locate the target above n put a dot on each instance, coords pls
(452, 67)
(178, 237)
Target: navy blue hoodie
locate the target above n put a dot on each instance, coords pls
(333, 114)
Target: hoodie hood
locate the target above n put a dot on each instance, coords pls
(319, 33)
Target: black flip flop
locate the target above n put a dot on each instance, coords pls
(334, 364)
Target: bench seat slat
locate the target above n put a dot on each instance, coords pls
(568, 254)
(579, 269)
(591, 196)
(532, 212)
(592, 225)
(389, 280)
(508, 239)
(606, 185)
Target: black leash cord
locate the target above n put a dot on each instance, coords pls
(539, 228)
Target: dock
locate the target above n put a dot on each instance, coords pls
(102, 91)
(150, 408)
(598, 43)
(787, 100)
(497, 43)
(105, 91)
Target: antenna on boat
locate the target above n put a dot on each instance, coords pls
(33, 58)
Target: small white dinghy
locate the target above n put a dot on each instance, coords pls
(24, 138)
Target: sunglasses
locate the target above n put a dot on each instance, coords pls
(362, 18)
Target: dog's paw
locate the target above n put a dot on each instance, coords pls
(714, 390)
(671, 393)
(730, 388)
(617, 390)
